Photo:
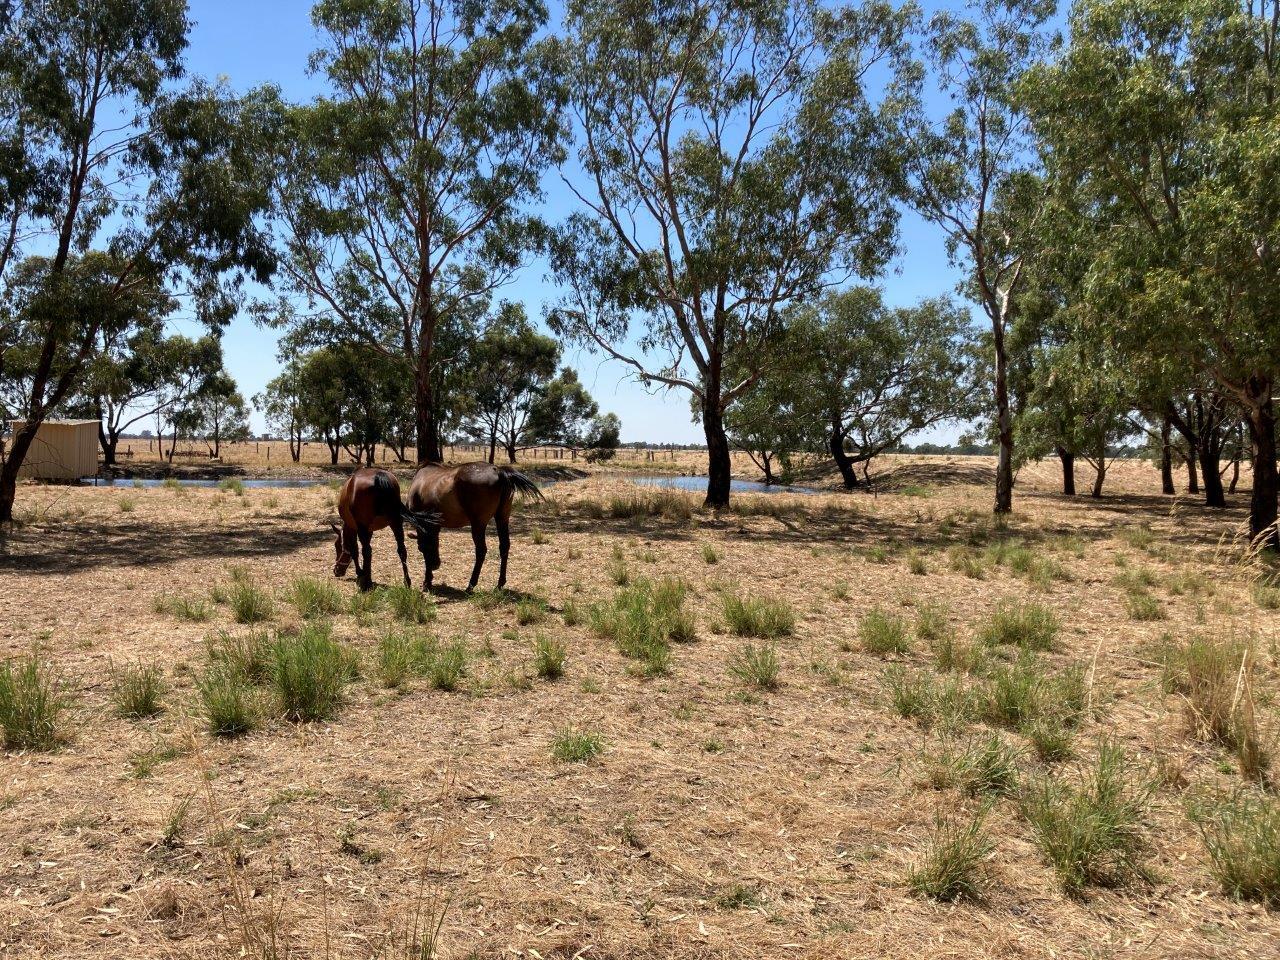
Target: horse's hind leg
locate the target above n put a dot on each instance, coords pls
(429, 545)
(351, 547)
(398, 529)
(503, 522)
(366, 552)
(477, 537)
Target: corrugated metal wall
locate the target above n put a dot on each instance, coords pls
(62, 450)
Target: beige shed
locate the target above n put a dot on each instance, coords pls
(62, 450)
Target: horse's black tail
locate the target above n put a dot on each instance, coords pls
(387, 502)
(515, 483)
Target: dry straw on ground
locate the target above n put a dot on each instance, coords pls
(718, 819)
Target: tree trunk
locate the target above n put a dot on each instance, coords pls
(1235, 475)
(109, 441)
(1004, 424)
(843, 461)
(719, 465)
(1193, 482)
(17, 453)
(1068, 472)
(1166, 460)
(766, 466)
(511, 453)
(1262, 430)
(493, 445)
(1210, 455)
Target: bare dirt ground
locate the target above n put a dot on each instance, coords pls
(719, 820)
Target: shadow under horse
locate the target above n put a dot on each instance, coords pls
(468, 495)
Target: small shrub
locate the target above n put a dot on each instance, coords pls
(916, 564)
(1031, 626)
(571, 745)
(882, 633)
(618, 570)
(1216, 679)
(952, 863)
(250, 603)
(1266, 596)
(570, 613)
(310, 673)
(968, 561)
(538, 538)
(709, 555)
(126, 504)
(229, 702)
(990, 766)
(1092, 833)
(1143, 607)
(173, 486)
(411, 605)
(760, 617)
(137, 691)
(756, 665)
(444, 666)
(396, 657)
(232, 485)
(530, 610)
(1015, 693)
(184, 608)
(912, 692)
(1241, 833)
(643, 620)
(1051, 739)
(549, 656)
(949, 654)
(31, 701)
(248, 655)
(314, 598)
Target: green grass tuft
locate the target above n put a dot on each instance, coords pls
(762, 617)
(31, 702)
(572, 745)
(137, 690)
(882, 633)
(951, 866)
(1031, 626)
(756, 665)
(311, 671)
(314, 598)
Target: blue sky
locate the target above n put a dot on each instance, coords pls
(251, 42)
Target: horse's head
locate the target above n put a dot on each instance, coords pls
(342, 559)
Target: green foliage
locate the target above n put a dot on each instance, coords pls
(756, 665)
(530, 610)
(951, 865)
(248, 655)
(444, 665)
(184, 608)
(755, 616)
(310, 673)
(1031, 626)
(549, 656)
(883, 633)
(314, 598)
(31, 701)
(250, 603)
(644, 619)
(1241, 832)
(572, 745)
(232, 485)
(230, 703)
(397, 656)
(1092, 832)
(137, 690)
(409, 605)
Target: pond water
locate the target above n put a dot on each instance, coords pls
(249, 484)
(699, 485)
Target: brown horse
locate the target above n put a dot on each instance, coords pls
(369, 501)
(468, 495)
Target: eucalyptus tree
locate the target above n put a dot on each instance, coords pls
(1168, 112)
(736, 161)
(562, 414)
(511, 365)
(128, 179)
(281, 404)
(867, 375)
(403, 191)
(974, 171)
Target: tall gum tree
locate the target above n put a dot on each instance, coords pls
(402, 192)
(735, 163)
(1167, 109)
(971, 171)
(125, 180)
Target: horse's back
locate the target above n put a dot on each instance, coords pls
(465, 494)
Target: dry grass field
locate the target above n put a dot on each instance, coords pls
(946, 737)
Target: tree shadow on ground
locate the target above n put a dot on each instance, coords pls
(75, 545)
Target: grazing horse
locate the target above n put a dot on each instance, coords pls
(469, 495)
(369, 501)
